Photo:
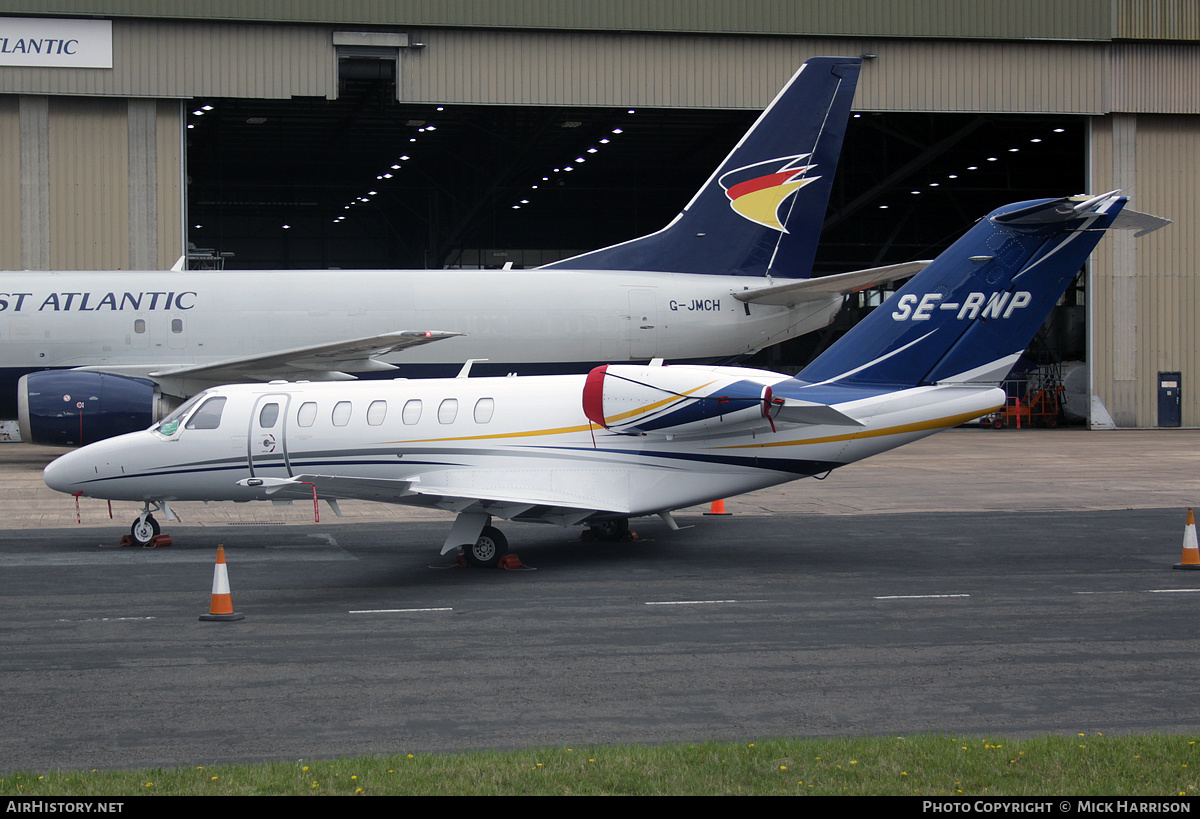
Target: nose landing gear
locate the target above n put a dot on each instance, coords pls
(145, 531)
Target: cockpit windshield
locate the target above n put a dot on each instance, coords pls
(207, 414)
(170, 424)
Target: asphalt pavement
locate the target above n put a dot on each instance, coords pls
(982, 582)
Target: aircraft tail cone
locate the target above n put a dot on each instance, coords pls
(222, 602)
(1191, 554)
(718, 508)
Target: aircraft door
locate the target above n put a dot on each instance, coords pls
(267, 444)
(643, 321)
(1170, 399)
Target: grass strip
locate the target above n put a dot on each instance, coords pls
(925, 765)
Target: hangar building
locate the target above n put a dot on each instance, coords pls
(357, 133)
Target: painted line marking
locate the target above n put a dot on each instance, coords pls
(696, 602)
(397, 611)
(917, 596)
(1147, 591)
(102, 555)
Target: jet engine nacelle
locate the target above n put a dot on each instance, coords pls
(73, 407)
(677, 400)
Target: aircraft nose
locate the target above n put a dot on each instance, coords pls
(65, 473)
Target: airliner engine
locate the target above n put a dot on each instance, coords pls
(73, 407)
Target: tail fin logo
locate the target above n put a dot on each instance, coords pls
(760, 197)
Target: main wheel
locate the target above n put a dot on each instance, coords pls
(611, 530)
(144, 530)
(488, 549)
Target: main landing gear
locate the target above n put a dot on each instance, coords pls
(481, 543)
(487, 549)
(609, 530)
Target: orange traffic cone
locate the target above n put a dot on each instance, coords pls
(222, 601)
(718, 508)
(1191, 554)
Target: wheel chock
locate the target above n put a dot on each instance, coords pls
(221, 608)
(1191, 554)
(156, 542)
(509, 562)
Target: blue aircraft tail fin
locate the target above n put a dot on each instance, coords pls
(762, 210)
(967, 316)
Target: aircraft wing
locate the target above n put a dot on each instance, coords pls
(822, 287)
(461, 491)
(319, 361)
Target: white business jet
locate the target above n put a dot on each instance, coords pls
(115, 351)
(624, 440)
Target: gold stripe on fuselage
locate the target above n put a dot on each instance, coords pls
(919, 426)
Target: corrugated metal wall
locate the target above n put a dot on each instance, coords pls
(89, 183)
(185, 59)
(1156, 20)
(1155, 78)
(189, 59)
(89, 197)
(1146, 291)
(10, 184)
(1061, 19)
(529, 68)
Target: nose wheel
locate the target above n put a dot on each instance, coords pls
(144, 529)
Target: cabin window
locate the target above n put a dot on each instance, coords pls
(484, 408)
(139, 326)
(341, 413)
(411, 412)
(268, 415)
(376, 413)
(307, 414)
(176, 325)
(208, 416)
(447, 410)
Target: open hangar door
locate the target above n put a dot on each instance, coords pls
(366, 182)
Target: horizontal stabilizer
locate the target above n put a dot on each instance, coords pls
(795, 411)
(1057, 210)
(822, 287)
(1143, 223)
